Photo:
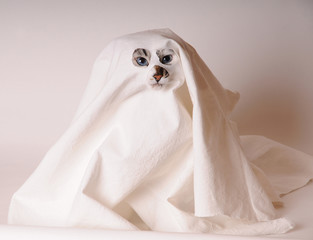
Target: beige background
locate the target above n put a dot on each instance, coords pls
(263, 49)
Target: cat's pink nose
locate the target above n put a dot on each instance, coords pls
(157, 77)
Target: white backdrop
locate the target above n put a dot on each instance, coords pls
(263, 49)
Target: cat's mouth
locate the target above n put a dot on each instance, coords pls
(157, 85)
(158, 77)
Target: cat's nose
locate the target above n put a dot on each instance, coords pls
(159, 73)
(157, 77)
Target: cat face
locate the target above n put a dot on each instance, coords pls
(162, 66)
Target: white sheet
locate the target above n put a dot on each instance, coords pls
(15, 168)
(38, 233)
(171, 155)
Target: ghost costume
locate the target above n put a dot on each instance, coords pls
(163, 158)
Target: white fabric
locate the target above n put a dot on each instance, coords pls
(9, 232)
(166, 159)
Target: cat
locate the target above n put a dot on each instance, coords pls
(163, 67)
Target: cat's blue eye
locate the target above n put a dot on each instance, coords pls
(167, 59)
(142, 61)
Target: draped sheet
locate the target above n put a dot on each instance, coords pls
(136, 157)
